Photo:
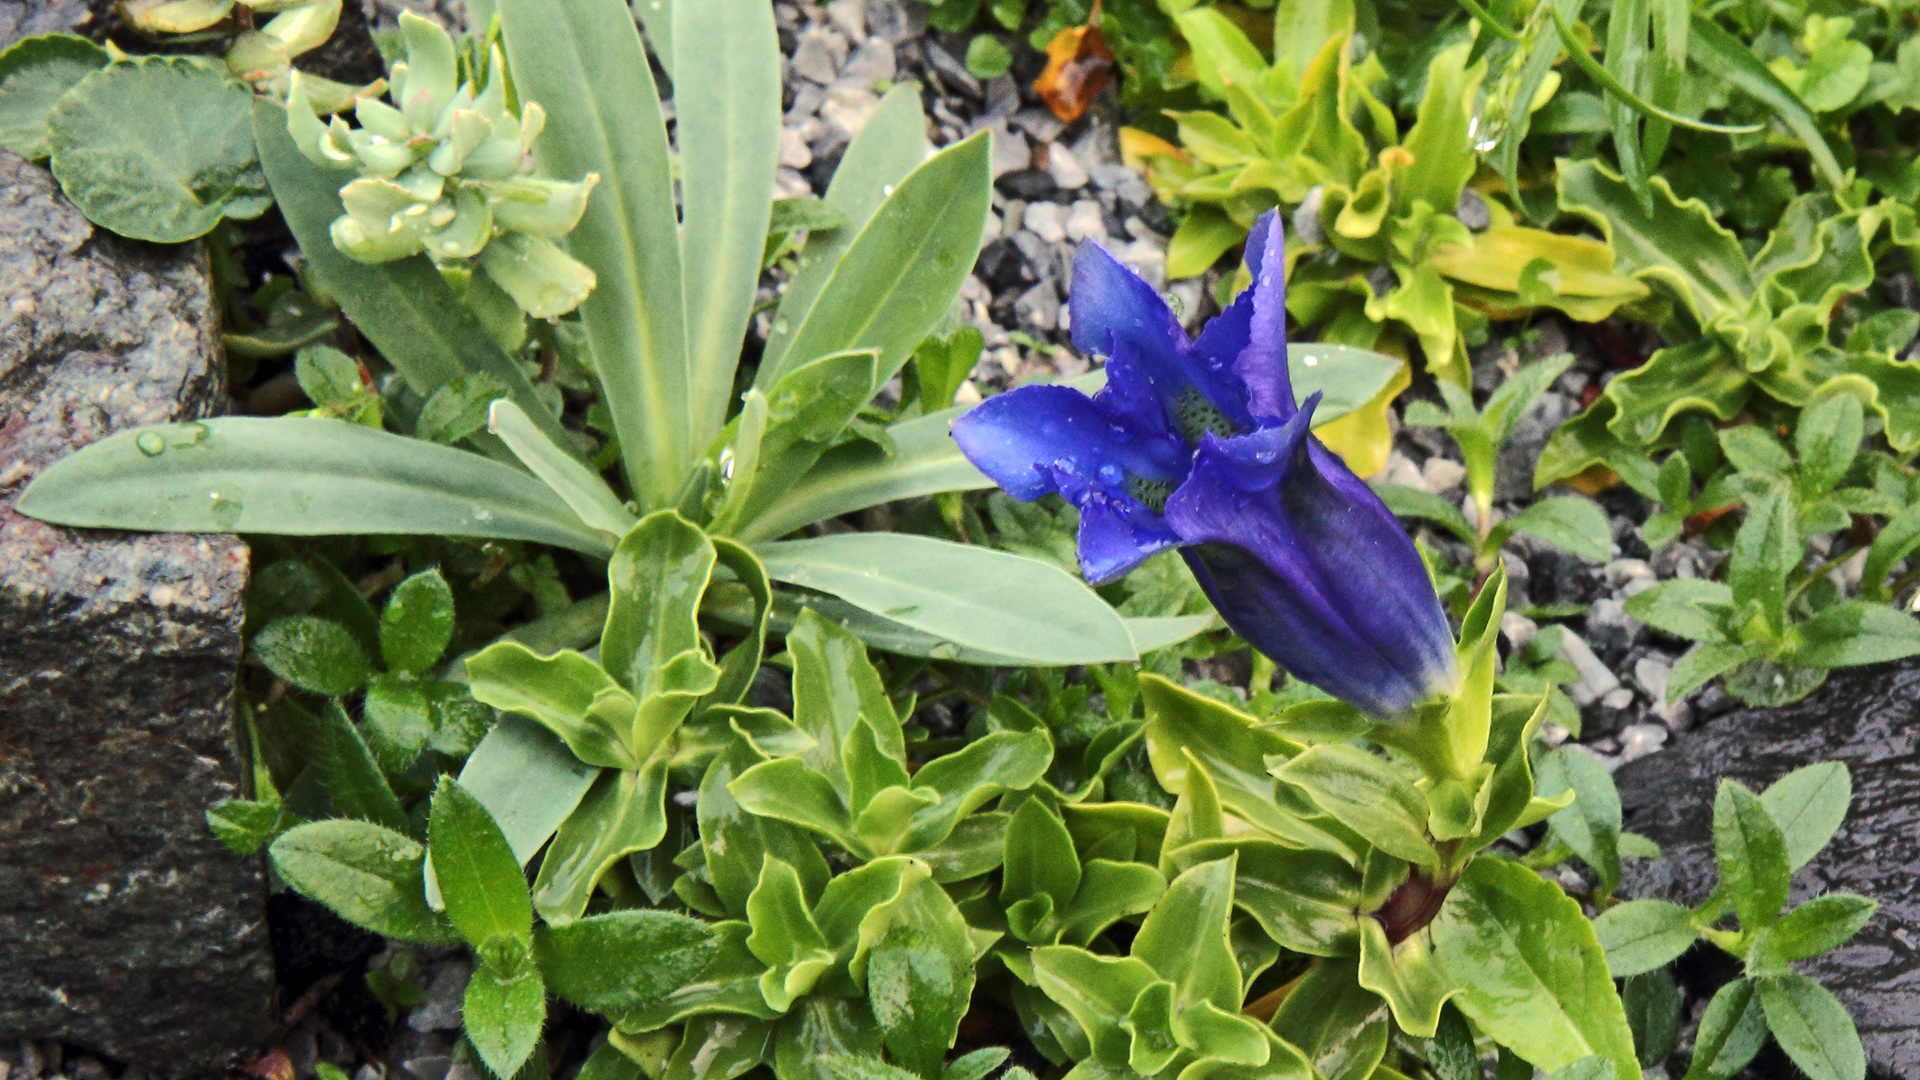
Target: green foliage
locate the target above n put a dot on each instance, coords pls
(832, 888)
(1775, 626)
(157, 174)
(1376, 252)
(443, 171)
(34, 73)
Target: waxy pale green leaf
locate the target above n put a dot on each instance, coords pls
(903, 269)
(920, 979)
(970, 596)
(34, 73)
(1368, 795)
(567, 693)
(1407, 976)
(1341, 1026)
(623, 813)
(1306, 901)
(891, 144)
(299, 477)
(582, 489)
(583, 60)
(727, 124)
(1236, 755)
(406, 308)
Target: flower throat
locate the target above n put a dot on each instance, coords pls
(1195, 416)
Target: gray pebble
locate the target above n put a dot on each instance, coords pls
(439, 1008)
(951, 71)
(870, 63)
(813, 58)
(1639, 740)
(1472, 210)
(1039, 307)
(1306, 216)
(1039, 123)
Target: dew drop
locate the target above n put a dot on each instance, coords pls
(1120, 433)
(945, 650)
(225, 512)
(1111, 474)
(195, 433)
(151, 443)
(482, 514)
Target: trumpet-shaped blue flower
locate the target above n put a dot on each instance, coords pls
(1198, 444)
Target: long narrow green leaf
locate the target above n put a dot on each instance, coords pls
(966, 596)
(727, 93)
(405, 308)
(924, 461)
(1724, 57)
(302, 476)
(1605, 78)
(891, 145)
(583, 61)
(580, 487)
(904, 268)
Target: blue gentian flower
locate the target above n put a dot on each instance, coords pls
(1197, 444)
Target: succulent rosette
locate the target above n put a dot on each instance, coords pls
(1198, 444)
(446, 169)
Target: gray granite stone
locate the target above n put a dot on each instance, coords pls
(124, 927)
(1868, 718)
(25, 18)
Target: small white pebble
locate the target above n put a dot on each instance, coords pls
(1047, 221)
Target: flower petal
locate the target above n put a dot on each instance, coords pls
(1117, 535)
(1305, 562)
(1030, 438)
(1247, 343)
(1117, 313)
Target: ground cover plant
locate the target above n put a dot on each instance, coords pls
(802, 790)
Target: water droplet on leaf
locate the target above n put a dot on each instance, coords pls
(151, 443)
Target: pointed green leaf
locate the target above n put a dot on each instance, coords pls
(1812, 1027)
(622, 814)
(903, 269)
(1368, 795)
(365, 874)
(727, 120)
(1530, 971)
(480, 880)
(1809, 805)
(1752, 854)
(584, 62)
(617, 961)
